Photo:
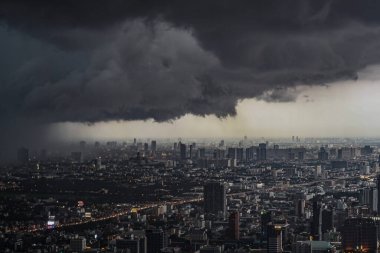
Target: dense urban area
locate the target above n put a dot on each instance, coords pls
(145, 196)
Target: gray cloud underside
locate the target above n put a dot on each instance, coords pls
(89, 61)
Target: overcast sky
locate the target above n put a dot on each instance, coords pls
(188, 68)
(341, 109)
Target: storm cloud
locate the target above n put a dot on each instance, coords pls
(90, 61)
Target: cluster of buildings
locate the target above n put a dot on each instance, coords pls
(194, 196)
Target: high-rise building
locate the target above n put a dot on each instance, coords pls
(318, 171)
(313, 247)
(274, 241)
(374, 199)
(133, 244)
(219, 154)
(182, 150)
(327, 220)
(300, 207)
(366, 150)
(316, 223)
(78, 244)
(359, 235)
(191, 149)
(153, 147)
(365, 196)
(239, 154)
(266, 217)
(99, 163)
(323, 155)
(215, 198)
(301, 155)
(22, 155)
(231, 153)
(344, 153)
(234, 225)
(156, 240)
(249, 153)
(261, 152)
(378, 193)
(202, 152)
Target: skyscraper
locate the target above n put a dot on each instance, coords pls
(300, 207)
(202, 152)
(327, 220)
(274, 241)
(261, 152)
(153, 147)
(359, 235)
(323, 155)
(215, 198)
(133, 244)
(249, 153)
(374, 199)
(234, 225)
(156, 240)
(266, 217)
(191, 148)
(378, 193)
(316, 223)
(182, 150)
(239, 154)
(231, 153)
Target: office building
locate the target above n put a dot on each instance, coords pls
(78, 244)
(231, 153)
(316, 223)
(274, 241)
(378, 193)
(153, 146)
(249, 153)
(156, 240)
(191, 150)
(234, 225)
(261, 152)
(266, 217)
(202, 152)
(182, 151)
(327, 220)
(300, 207)
(323, 155)
(215, 198)
(359, 235)
(313, 247)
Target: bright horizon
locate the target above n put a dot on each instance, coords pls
(340, 109)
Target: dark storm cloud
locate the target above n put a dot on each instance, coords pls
(89, 61)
